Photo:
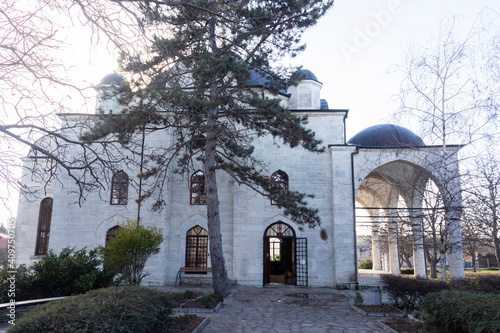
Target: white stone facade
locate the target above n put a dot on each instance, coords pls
(245, 215)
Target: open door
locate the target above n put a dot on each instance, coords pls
(280, 256)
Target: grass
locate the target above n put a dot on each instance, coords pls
(468, 274)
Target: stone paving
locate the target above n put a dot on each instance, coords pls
(289, 309)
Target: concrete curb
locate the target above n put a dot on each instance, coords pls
(378, 314)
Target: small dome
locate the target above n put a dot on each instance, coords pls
(112, 79)
(386, 136)
(306, 74)
(323, 104)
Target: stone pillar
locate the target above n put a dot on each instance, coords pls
(377, 265)
(418, 240)
(392, 228)
(385, 262)
(457, 270)
(393, 246)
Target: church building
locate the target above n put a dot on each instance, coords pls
(374, 170)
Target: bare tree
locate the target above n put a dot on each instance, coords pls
(447, 90)
(35, 90)
(484, 200)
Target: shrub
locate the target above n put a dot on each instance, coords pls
(128, 252)
(406, 293)
(366, 264)
(407, 271)
(115, 309)
(23, 289)
(358, 299)
(462, 311)
(67, 273)
(70, 272)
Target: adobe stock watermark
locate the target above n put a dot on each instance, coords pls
(364, 36)
(11, 278)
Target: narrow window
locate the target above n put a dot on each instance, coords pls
(280, 178)
(198, 194)
(119, 188)
(44, 218)
(196, 247)
(111, 234)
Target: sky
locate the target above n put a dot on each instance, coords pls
(350, 50)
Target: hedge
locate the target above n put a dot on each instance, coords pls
(462, 311)
(114, 309)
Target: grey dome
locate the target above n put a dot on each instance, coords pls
(306, 74)
(112, 79)
(386, 136)
(260, 79)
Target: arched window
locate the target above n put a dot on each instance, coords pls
(44, 218)
(111, 234)
(198, 194)
(119, 188)
(280, 178)
(196, 247)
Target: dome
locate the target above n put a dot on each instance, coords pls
(306, 74)
(112, 79)
(386, 136)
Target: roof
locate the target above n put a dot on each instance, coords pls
(112, 79)
(386, 136)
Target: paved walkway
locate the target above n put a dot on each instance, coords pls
(285, 309)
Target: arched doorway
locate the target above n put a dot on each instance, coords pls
(285, 256)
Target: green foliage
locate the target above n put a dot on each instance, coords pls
(406, 293)
(407, 271)
(23, 286)
(209, 301)
(128, 252)
(459, 311)
(71, 272)
(366, 264)
(115, 309)
(358, 299)
(67, 273)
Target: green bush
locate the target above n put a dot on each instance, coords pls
(115, 309)
(407, 271)
(406, 293)
(128, 252)
(67, 273)
(71, 272)
(366, 264)
(23, 287)
(462, 311)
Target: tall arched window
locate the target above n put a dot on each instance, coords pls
(111, 234)
(196, 247)
(280, 178)
(198, 194)
(44, 218)
(119, 188)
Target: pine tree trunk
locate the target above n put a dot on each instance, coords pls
(219, 272)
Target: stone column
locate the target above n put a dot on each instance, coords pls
(392, 228)
(457, 270)
(417, 217)
(377, 265)
(386, 262)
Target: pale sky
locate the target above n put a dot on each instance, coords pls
(350, 52)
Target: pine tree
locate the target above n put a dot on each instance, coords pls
(194, 79)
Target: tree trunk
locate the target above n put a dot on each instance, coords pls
(443, 266)
(219, 272)
(473, 261)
